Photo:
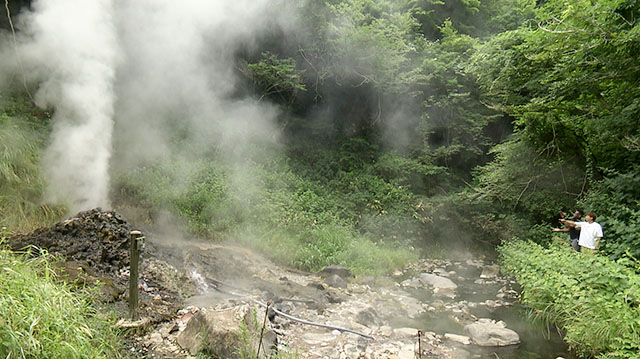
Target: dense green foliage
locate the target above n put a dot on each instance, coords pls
(570, 80)
(301, 221)
(592, 298)
(40, 317)
(618, 198)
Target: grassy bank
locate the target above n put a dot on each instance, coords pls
(40, 317)
(23, 133)
(299, 221)
(595, 300)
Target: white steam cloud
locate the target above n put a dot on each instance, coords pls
(128, 74)
(74, 50)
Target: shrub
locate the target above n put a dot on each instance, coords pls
(594, 299)
(356, 219)
(616, 201)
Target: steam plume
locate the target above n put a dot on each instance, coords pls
(124, 76)
(74, 51)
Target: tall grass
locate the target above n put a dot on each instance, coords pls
(297, 220)
(23, 132)
(324, 244)
(594, 299)
(41, 317)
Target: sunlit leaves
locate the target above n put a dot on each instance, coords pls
(373, 41)
(277, 76)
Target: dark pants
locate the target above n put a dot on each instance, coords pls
(574, 244)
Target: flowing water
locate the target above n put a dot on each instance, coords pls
(538, 341)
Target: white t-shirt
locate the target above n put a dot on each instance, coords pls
(589, 233)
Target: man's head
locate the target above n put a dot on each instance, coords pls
(590, 217)
(577, 214)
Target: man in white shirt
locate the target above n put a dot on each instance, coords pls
(590, 232)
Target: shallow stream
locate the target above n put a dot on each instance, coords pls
(403, 303)
(538, 341)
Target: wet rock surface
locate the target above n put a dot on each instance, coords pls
(488, 333)
(384, 316)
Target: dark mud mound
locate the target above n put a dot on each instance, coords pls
(96, 237)
(94, 246)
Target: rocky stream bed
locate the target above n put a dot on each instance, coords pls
(201, 296)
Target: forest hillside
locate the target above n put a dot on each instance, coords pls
(363, 133)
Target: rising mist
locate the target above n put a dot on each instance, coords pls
(124, 77)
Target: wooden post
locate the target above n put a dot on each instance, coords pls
(134, 258)
(264, 324)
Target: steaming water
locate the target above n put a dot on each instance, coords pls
(201, 284)
(537, 341)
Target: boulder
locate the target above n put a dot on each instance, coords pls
(437, 282)
(458, 338)
(442, 287)
(491, 271)
(407, 352)
(489, 333)
(340, 271)
(227, 333)
(335, 281)
(368, 316)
